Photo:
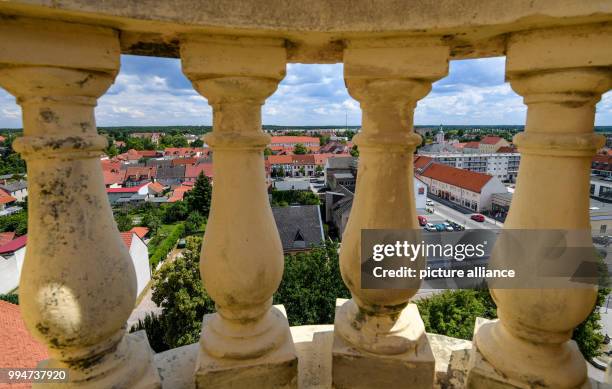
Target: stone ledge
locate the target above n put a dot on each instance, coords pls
(313, 345)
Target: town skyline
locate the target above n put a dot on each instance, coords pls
(153, 92)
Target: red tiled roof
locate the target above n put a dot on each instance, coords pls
(321, 159)
(421, 161)
(140, 171)
(193, 171)
(19, 348)
(461, 178)
(6, 237)
(131, 189)
(141, 232)
(471, 145)
(280, 140)
(127, 238)
(111, 177)
(506, 149)
(179, 193)
(490, 140)
(14, 245)
(156, 187)
(279, 159)
(6, 198)
(184, 161)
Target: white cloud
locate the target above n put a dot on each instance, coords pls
(153, 91)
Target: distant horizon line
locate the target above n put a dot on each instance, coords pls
(297, 126)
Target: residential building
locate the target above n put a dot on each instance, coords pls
(300, 227)
(463, 187)
(601, 165)
(601, 189)
(139, 175)
(140, 258)
(193, 171)
(12, 254)
(504, 166)
(129, 194)
(334, 166)
(490, 144)
(171, 175)
(291, 141)
(16, 189)
(154, 137)
(6, 200)
(178, 193)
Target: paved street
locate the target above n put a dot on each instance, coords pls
(443, 212)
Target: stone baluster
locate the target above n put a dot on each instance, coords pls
(561, 74)
(380, 338)
(78, 284)
(247, 342)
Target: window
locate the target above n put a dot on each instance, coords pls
(421, 190)
(602, 228)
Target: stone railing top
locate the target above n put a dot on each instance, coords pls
(315, 29)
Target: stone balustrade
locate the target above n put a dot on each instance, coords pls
(78, 284)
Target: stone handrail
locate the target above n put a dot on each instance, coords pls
(78, 284)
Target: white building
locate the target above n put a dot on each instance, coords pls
(503, 166)
(466, 188)
(11, 262)
(140, 258)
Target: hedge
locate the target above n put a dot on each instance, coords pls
(162, 250)
(11, 298)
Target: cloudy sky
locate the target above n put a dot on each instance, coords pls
(153, 91)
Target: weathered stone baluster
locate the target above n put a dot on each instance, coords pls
(78, 284)
(380, 338)
(247, 343)
(561, 73)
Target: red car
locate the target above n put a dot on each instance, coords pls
(422, 220)
(477, 217)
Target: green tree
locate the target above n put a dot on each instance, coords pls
(16, 222)
(124, 221)
(198, 199)
(300, 149)
(151, 220)
(454, 312)
(112, 150)
(194, 222)
(310, 285)
(178, 290)
(155, 330)
(175, 212)
(319, 170)
(197, 143)
(354, 151)
(267, 151)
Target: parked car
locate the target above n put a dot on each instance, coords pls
(440, 227)
(430, 227)
(478, 217)
(448, 227)
(422, 220)
(456, 226)
(429, 202)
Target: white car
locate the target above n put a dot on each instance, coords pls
(430, 227)
(448, 227)
(429, 202)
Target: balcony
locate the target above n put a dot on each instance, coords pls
(58, 57)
